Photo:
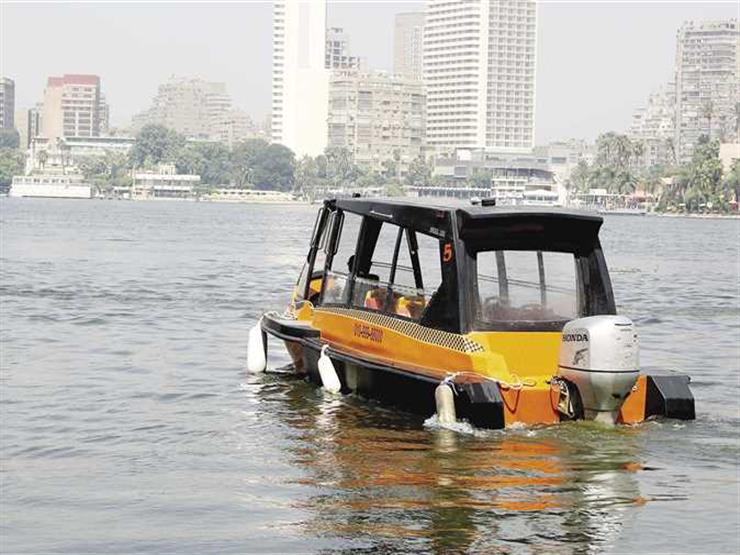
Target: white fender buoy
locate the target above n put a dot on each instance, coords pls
(445, 400)
(328, 374)
(256, 359)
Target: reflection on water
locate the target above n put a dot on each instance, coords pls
(381, 479)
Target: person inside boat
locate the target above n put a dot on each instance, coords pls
(366, 291)
(360, 273)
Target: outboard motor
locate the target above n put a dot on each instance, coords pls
(599, 354)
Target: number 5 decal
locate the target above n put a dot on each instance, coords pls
(447, 253)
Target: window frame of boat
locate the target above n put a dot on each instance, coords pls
(365, 246)
(323, 219)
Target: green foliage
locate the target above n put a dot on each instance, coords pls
(244, 158)
(12, 161)
(43, 157)
(580, 178)
(393, 188)
(482, 177)
(390, 168)
(698, 186)
(613, 169)
(211, 161)
(732, 181)
(340, 167)
(155, 144)
(419, 173)
(274, 168)
(106, 172)
(9, 138)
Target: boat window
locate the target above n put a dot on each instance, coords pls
(336, 290)
(404, 274)
(526, 286)
(380, 266)
(316, 258)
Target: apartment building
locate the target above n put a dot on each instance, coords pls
(707, 83)
(72, 107)
(195, 108)
(654, 126)
(377, 116)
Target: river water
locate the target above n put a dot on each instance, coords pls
(130, 424)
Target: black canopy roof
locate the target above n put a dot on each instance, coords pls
(476, 223)
(383, 206)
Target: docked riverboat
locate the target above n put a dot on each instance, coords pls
(493, 315)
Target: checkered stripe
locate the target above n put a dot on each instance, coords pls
(453, 341)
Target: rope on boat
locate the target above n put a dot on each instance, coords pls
(519, 384)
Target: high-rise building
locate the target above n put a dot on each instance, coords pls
(707, 86)
(338, 52)
(378, 117)
(408, 44)
(479, 69)
(300, 79)
(7, 103)
(71, 107)
(654, 125)
(189, 105)
(233, 126)
(33, 123)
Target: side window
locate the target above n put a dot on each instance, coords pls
(336, 289)
(430, 262)
(406, 289)
(380, 269)
(317, 237)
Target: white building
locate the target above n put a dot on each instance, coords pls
(654, 126)
(408, 45)
(50, 186)
(707, 82)
(512, 179)
(300, 79)
(479, 70)
(165, 183)
(377, 117)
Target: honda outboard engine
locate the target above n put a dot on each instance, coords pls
(599, 354)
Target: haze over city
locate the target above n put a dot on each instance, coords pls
(596, 62)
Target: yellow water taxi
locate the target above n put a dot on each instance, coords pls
(493, 315)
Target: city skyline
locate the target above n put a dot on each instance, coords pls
(571, 102)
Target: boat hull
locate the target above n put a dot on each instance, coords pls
(485, 403)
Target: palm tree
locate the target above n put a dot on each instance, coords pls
(43, 157)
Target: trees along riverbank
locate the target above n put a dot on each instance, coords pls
(697, 186)
(12, 158)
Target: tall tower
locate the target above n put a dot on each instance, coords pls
(707, 74)
(300, 79)
(408, 45)
(479, 70)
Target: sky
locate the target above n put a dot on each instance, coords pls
(596, 61)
